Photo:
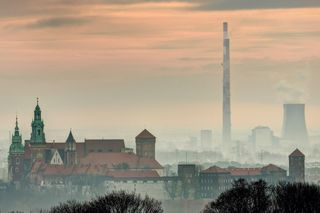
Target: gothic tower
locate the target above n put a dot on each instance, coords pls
(37, 135)
(15, 159)
(71, 151)
(145, 145)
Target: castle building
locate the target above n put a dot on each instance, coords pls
(297, 166)
(16, 156)
(215, 180)
(42, 162)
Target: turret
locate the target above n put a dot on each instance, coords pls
(145, 144)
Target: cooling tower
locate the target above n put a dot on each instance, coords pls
(294, 124)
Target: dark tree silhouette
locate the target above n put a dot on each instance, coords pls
(296, 198)
(242, 198)
(257, 197)
(116, 202)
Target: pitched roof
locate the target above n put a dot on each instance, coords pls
(118, 160)
(244, 171)
(215, 170)
(272, 168)
(104, 145)
(70, 138)
(145, 134)
(133, 174)
(296, 153)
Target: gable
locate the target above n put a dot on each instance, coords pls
(56, 159)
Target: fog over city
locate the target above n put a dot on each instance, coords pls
(84, 73)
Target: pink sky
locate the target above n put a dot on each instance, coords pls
(155, 65)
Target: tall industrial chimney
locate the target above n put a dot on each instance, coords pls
(226, 132)
(294, 123)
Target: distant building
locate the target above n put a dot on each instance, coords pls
(215, 180)
(188, 175)
(206, 139)
(297, 166)
(262, 137)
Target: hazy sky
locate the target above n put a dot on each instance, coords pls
(113, 67)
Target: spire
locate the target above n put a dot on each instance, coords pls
(70, 138)
(37, 109)
(16, 129)
(16, 143)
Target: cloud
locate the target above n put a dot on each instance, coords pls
(224, 4)
(58, 22)
(290, 93)
(253, 4)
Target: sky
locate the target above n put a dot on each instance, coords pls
(110, 68)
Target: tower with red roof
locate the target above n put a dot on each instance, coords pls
(297, 166)
(145, 145)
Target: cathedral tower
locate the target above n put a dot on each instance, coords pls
(37, 135)
(15, 159)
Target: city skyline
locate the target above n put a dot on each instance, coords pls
(125, 67)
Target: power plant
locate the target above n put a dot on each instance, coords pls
(294, 124)
(226, 132)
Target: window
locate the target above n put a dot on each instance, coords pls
(17, 161)
(39, 132)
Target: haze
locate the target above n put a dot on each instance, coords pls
(155, 64)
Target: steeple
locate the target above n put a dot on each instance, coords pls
(15, 158)
(16, 129)
(16, 143)
(71, 150)
(71, 141)
(37, 135)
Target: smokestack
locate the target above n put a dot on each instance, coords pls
(226, 132)
(294, 123)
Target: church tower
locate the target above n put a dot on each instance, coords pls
(71, 151)
(145, 145)
(37, 135)
(15, 159)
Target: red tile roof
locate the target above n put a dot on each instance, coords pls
(145, 134)
(115, 160)
(244, 171)
(103, 145)
(272, 168)
(133, 174)
(215, 170)
(296, 153)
